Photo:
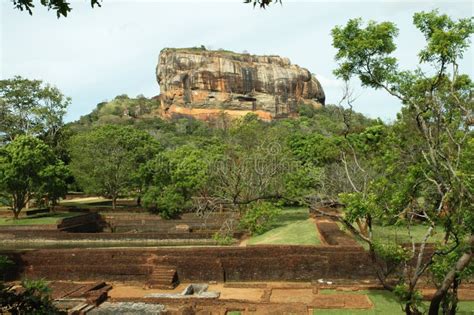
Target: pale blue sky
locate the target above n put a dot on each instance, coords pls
(96, 54)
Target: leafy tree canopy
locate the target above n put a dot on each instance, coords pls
(29, 170)
(262, 3)
(62, 7)
(30, 107)
(174, 177)
(106, 160)
(419, 170)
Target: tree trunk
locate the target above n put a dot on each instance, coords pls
(114, 202)
(20, 200)
(408, 309)
(53, 206)
(454, 302)
(379, 270)
(363, 227)
(139, 201)
(411, 311)
(17, 207)
(462, 263)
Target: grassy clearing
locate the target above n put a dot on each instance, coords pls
(50, 218)
(293, 227)
(400, 234)
(385, 303)
(88, 202)
(92, 202)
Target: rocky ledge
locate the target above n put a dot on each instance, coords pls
(203, 84)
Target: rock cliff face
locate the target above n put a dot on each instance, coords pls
(205, 83)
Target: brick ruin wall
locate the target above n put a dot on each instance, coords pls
(24, 234)
(87, 222)
(332, 234)
(138, 226)
(257, 263)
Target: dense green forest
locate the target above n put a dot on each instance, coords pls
(232, 163)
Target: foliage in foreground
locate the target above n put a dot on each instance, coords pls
(32, 298)
(419, 171)
(63, 8)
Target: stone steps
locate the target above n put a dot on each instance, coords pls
(163, 277)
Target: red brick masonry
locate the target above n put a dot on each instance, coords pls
(256, 263)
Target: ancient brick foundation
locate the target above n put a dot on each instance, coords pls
(122, 226)
(257, 263)
(87, 222)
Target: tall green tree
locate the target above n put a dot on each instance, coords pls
(174, 177)
(29, 170)
(30, 107)
(435, 124)
(54, 183)
(255, 163)
(107, 160)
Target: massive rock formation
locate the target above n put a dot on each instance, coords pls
(205, 83)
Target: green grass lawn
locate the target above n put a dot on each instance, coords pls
(88, 202)
(93, 202)
(385, 303)
(399, 234)
(293, 227)
(50, 218)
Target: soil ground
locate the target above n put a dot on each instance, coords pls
(261, 297)
(283, 294)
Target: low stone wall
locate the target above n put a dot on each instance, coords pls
(258, 263)
(25, 228)
(271, 263)
(143, 226)
(36, 211)
(331, 234)
(153, 223)
(87, 222)
(26, 234)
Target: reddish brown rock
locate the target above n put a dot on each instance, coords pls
(204, 83)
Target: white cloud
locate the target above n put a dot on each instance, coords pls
(96, 54)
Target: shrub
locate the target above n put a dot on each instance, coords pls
(166, 202)
(222, 238)
(33, 299)
(306, 110)
(259, 218)
(5, 263)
